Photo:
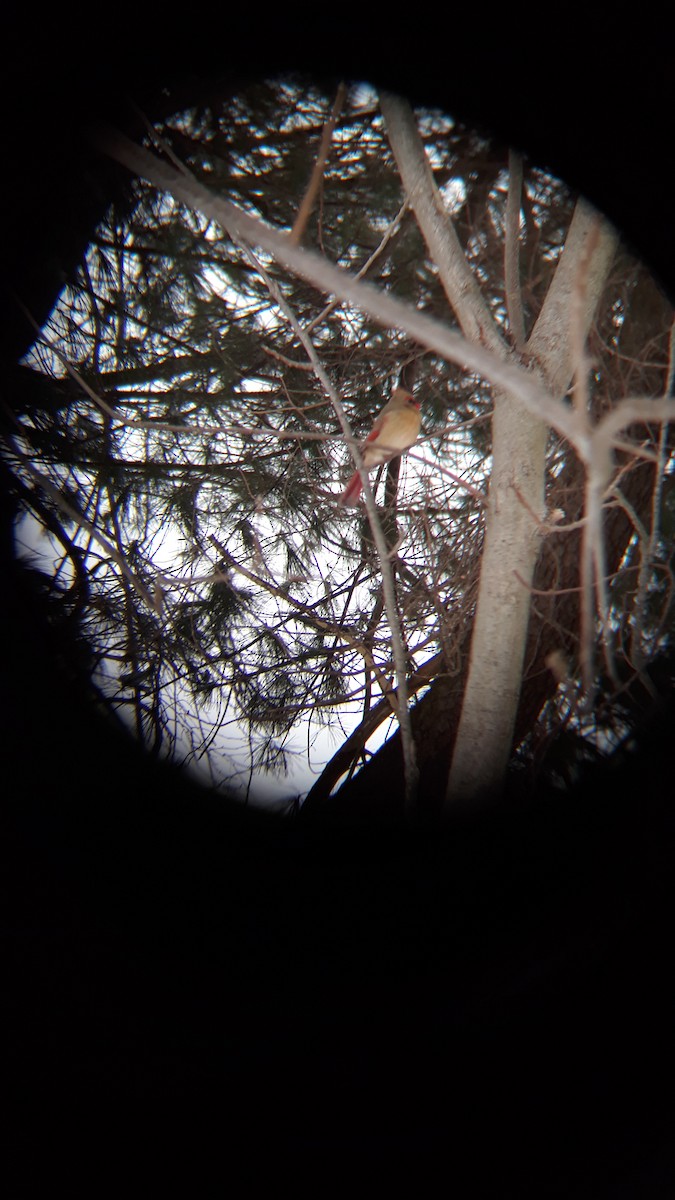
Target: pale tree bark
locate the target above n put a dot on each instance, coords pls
(459, 283)
(515, 508)
(516, 497)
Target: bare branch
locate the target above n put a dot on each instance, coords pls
(301, 611)
(550, 343)
(313, 186)
(459, 284)
(514, 299)
(523, 385)
(354, 744)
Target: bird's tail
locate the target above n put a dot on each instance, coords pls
(350, 496)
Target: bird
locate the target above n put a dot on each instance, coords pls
(395, 429)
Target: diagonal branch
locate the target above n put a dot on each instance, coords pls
(354, 744)
(313, 186)
(307, 264)
(459, 283)
(551, 343)
(523, 385)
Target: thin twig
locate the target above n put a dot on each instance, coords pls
(302, 612)
(333, 304)
(479, 496)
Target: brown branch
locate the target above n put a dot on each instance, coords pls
(355, 743)
(309, 197)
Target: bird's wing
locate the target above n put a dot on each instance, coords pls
(375, 432)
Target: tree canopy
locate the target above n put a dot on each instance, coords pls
(187, 457)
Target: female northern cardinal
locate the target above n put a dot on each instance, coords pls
(395, 429)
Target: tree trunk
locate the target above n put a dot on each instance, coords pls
(516, 505)
(375, 794)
